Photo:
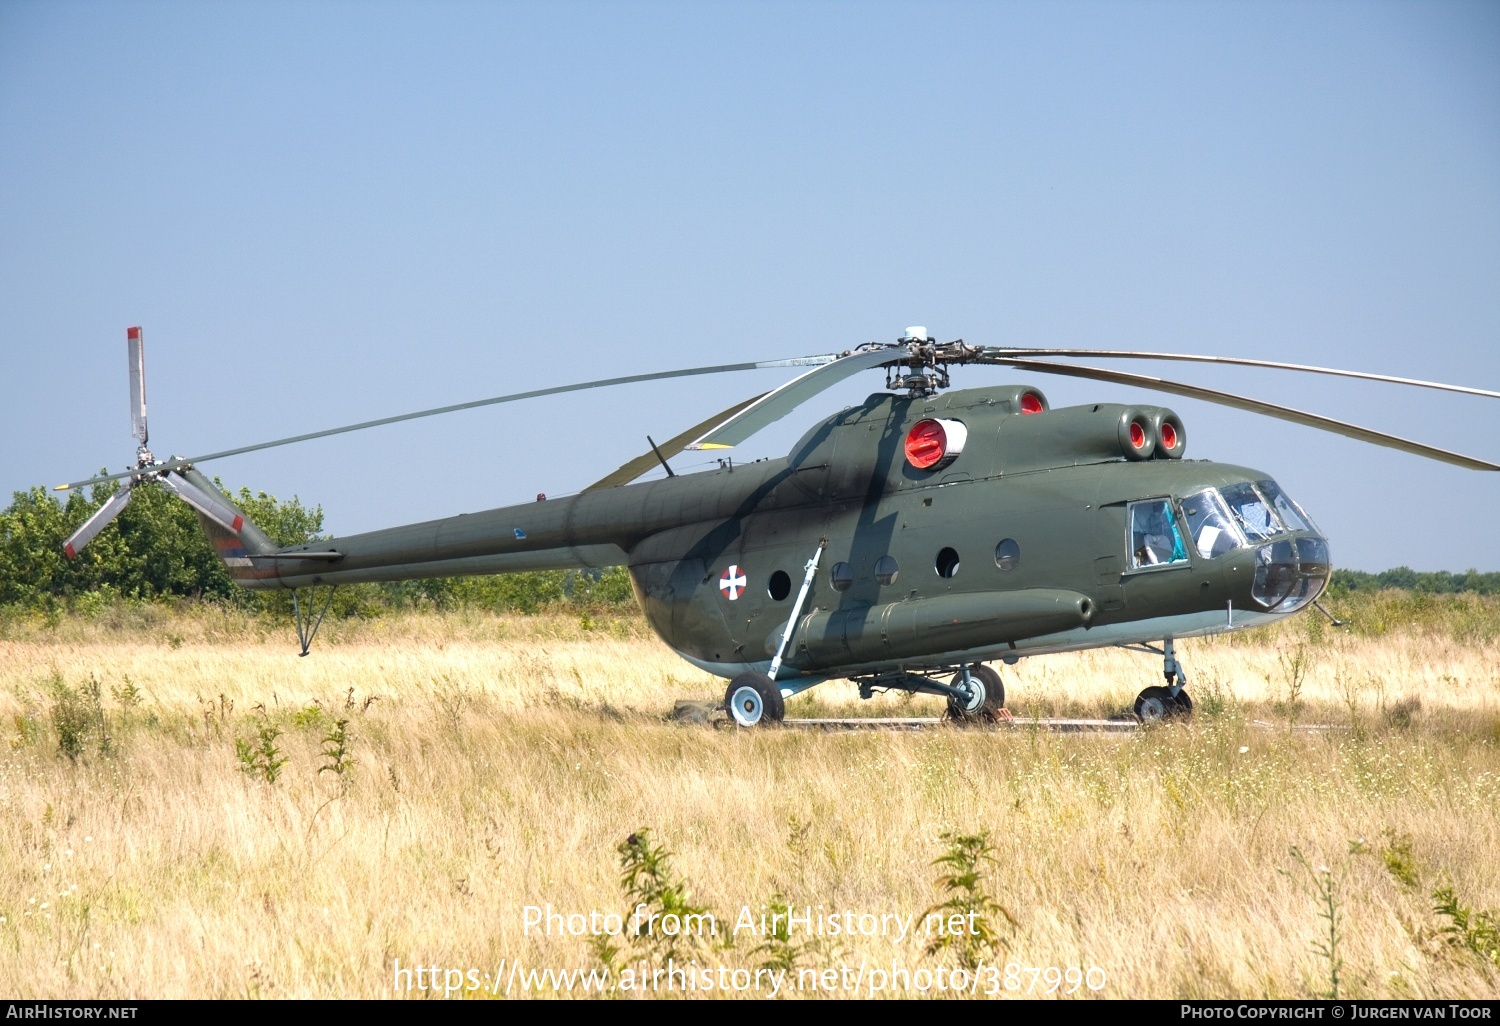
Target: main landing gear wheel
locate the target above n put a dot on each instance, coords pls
(751, 698)
(987, 701)
(1156, 705)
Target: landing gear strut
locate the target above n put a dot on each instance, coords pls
(752, 697)
(1156, 704)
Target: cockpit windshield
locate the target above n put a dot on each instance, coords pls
(1290, 571)
(1209, 522)
(1251, 512)
(1235, 516)
(1290, 513)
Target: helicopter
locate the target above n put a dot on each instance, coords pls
(907, 543)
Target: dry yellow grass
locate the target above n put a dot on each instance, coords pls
(503, 760)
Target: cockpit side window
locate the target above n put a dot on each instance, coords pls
(1210, 524)
(1251, 512)
(1154, 537)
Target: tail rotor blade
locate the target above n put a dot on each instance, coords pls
(211, 506)
(137, 347)
(96, 523)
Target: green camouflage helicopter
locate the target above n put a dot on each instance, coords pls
(905, 543)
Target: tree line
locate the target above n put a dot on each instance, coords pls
(155, 549)
(1429, 582)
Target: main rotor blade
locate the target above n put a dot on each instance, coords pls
(778, 402)
(801, 361)
(136, 351)
(1239, 402)
(671, 447)
(1135, 354)
(211, 506)
(96, 523)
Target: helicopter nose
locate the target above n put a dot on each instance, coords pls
(1290, 573)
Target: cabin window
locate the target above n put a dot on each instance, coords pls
(1008, 554)
(841, 576)
(946, 563)
(1154, 537)
(886, 570)
(780, 585)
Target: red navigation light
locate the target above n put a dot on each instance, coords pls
(1030, 403)
(1168, 435)
(1137, 435)
(926, 443)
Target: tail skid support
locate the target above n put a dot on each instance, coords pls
(308, 623)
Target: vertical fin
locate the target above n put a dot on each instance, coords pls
(234, 549)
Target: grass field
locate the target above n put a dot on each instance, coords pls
(492, 763)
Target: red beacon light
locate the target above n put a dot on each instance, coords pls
(934, 443)
(1031, 403)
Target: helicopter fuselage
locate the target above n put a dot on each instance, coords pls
(1043, 533)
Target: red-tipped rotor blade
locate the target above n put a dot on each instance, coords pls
(136, 344)
(96, 523)
(211, 506)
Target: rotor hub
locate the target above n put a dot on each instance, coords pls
(924, 368)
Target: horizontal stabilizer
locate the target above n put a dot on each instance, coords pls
(330, 557)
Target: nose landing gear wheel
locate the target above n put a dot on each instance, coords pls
(751, 698)
(988, 699)
(1156, 705)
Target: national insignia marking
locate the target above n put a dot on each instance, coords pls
(732, 582)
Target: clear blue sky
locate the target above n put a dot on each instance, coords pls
(330, 212)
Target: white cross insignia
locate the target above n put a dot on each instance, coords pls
(732, 583)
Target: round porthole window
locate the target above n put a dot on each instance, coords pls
(1008, 554)
(841, 576)
(946, 563)
(886, 570)
(780, 585)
